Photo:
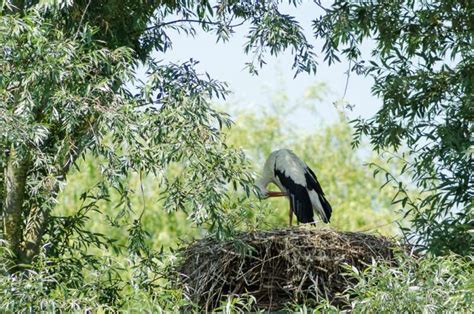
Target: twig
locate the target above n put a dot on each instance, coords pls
(143, 195)
(82, 19)
(379, 226)
(318, 3)
(347, 79)
(192, 21)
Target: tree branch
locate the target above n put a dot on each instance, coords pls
(191, 21)
(318, 3)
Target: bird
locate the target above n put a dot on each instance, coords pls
(297, 182)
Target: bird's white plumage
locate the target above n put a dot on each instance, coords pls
(293, 167)
(296, 173)
(288, 163)
(316, 203)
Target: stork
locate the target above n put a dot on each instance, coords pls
(296, 181)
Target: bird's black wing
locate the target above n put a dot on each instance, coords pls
(313, 184)
(300, 203)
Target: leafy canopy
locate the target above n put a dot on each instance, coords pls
(65, 65)
(78, 56)
(423, 70)
(63, 98)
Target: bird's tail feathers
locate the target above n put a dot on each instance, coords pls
(302, 210)
(321, 206)
(326, 208)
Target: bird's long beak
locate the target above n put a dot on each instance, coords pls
(275, 194)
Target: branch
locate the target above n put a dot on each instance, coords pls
(318, 3)
(82, 19)
(192, 21)
(347, 79)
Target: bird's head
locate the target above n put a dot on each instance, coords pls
(262, 191)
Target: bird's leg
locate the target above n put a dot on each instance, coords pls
(290, 213)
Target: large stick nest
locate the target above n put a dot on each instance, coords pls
(278, 267)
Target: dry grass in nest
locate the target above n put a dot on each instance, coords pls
(279, 266)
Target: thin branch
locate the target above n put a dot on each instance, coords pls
(143, 196)
(12, 88)
(395, 221)
(347, 79)
(82, 19)
(318, 3)
(192, 21)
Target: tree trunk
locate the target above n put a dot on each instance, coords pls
(15, 181)
(34, 231)
(38, 216)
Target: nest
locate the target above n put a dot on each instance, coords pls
(277, 267)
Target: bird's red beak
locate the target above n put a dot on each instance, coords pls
(275, 194)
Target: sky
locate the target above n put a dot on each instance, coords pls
(226, 61)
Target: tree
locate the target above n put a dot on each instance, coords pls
(426, 99)
(423, 70)
(47, 118)
(66, 64)
(127, 279)
(62, 98)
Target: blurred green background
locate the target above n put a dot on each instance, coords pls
(355, 195)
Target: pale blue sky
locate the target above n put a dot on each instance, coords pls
(225, 62)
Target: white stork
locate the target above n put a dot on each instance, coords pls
(297, 181)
